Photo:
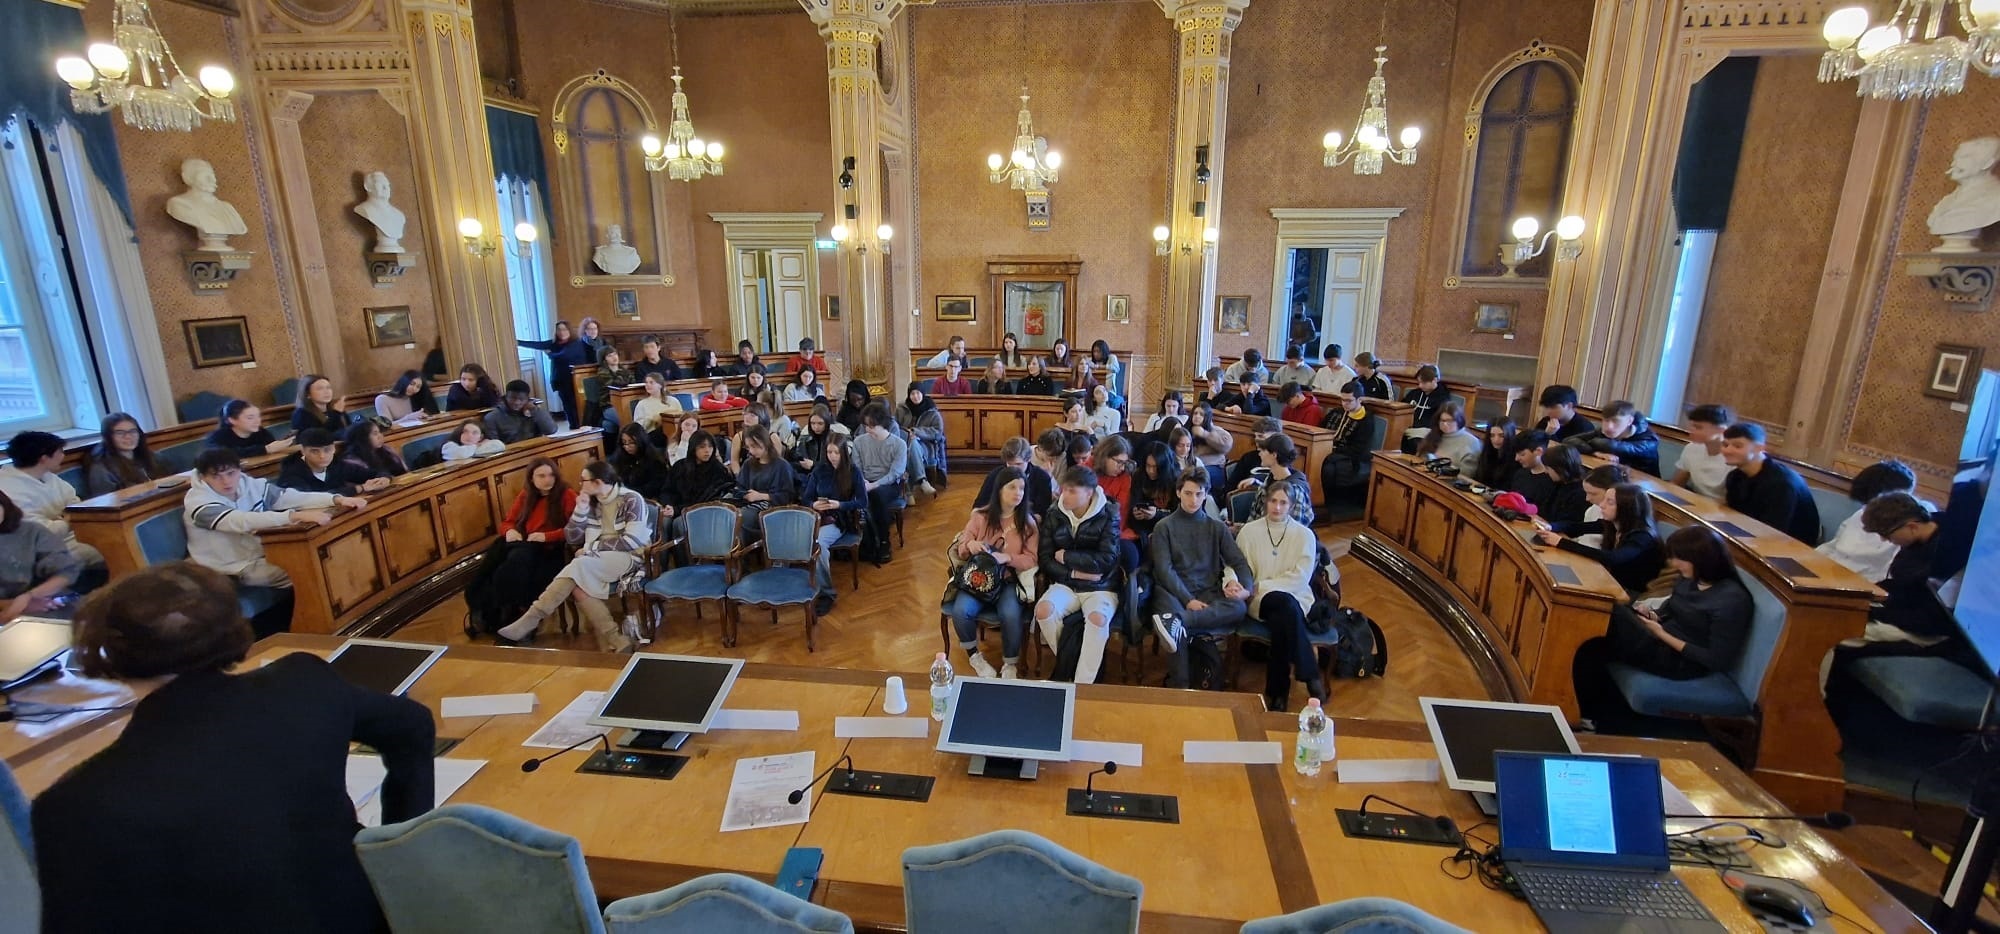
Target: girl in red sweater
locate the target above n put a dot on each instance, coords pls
(529, 552)
(1112, 459)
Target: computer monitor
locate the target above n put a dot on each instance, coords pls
(668, 693)
(1009, 720)
(378, 665)
(1467, 733)
(27, 646)
(1581, 810)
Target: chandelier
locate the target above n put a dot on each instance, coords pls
(1032, 166)
(1911, 55)
(683, 156)
(136, 73)
(1371, 131)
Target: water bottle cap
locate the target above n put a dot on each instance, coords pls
(940, 656)
(1312, 702)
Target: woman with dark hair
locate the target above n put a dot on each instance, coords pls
(470, 441)
(706, 363)
(1005, 529)
(1010, 351)
(1101, 411)
(1278, 455)
(700, 477)
(677, 434)
(1628, 545)
(811, 448)
(261, 811)
(837, 490)
(1567, 502)
(365, 447)
(1452, 439)
(242, 430)
(1172, 407)
(35, 565)
(1212, 443)
(923, 430)
(755, 415)
(609, 527)
(566, 353)
(640, 463)
(1863, 552)
(1106, 362)
(852, 403)
(1037, 382)
(805, 387)
(1496, 460)
(529, 551)
(472, 390)
(1059, 356)
(1155, 490)
(1694, 632)
(318, 407)
(755, 381)
(409, 396)
(763, 479)
(120, 458)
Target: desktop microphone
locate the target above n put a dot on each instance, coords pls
(1089, 793)
(800, 794)
(1833, 820)
(533, 764)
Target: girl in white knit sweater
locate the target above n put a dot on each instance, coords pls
(1281, 552)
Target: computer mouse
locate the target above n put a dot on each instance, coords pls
(1777, 903)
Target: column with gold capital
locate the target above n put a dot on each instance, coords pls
(1200, 125)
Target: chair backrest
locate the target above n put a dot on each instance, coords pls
(414, 453)
(791, 534)
(688, 402)
(593, 387)
(74, 477)
(722, 901)
(929, 384)
(179, 457)
(1354, 916)
(281, 430)
(19, 892)
(464, 867)
(1834, 508)
(1767, 622)
(1241, 503)
(1670, 457)
(712, 529)
(163, 538)
(200, 406)
(1012, 880)
(1378, 432)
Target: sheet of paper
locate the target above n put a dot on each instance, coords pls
(727, 719)
(759, 792)
(570, 725)
(1128, 755)
(1675, 802)
(881, 727)
(1578, 798)
(1196, 750)
(449, 777)
(67, 690)
(487, 705)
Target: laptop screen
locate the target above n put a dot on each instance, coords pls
(1581, 810)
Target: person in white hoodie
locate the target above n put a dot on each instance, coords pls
(32, 483)
(224, 508)
(1862, 551)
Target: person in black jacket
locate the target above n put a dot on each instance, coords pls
(839, 493)
(566, 353)
(1427, 397)
(1625, 436)
(852, 405)
(1078, 552)
(1630, 547)
(473, 390)
(1764, 489)
(1351, 437)
(654, 360)
(1496, 460)
(1015, 454)
(223, 805)
(1566, 500)
(700, 477)
(316, 468)
(1371, 382)
(1559, 419)
(639, 464)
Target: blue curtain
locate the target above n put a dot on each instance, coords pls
(516, 140)
(37, 33)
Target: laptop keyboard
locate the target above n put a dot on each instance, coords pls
(1599, 892)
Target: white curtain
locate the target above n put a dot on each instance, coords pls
(530, 278)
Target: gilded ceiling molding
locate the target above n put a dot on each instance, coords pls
(322, 61)
(1762, 14)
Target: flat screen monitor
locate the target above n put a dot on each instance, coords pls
(26, 645)
(668, 693)
(1467, 733)
(1010, 719)
(389, 667)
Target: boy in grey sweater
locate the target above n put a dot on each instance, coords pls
(1191, 602)
(882, 458)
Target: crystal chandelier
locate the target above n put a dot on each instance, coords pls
(136, 73)
(1032, 166)
(1910, 55)
(684, 156)
(1371, 131)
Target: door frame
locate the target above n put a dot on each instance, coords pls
(1365, 229)
(782, 231)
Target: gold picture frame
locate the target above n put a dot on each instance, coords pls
(218, 341)
(1118, 308)
(389, 326)
(1494, 317)
(957, 307)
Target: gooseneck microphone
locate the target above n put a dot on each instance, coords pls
(1090, 793)
(799, 795)
(1833, 820)
(536, 763)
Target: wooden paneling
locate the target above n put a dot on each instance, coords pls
(1503, 602)
(1533, 623)
(1432, 540)
(976, 426)
(348, 570)
(960, 432)
(1389, 508)
(409, 540)
(1470, 558)
(470, 515)
(997, 425)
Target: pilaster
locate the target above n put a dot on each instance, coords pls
(1201, 118)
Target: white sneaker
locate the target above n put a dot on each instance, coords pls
(928, 489)
(980, 666)
(1168, 627)
(1009, 671)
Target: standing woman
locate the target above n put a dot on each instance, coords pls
(837, 491)
(923, 426)
(410, 396)
(1037, 382)
(120, 459)
(1004, 529)
(1281, 550)
(472, 390)
(365, 448)
(529, 552)
(609, 526)
(763, 480)
(1010, 352)
(566, 353)
(640, 463)
(242, 430)
(318, 407)
(588, 331)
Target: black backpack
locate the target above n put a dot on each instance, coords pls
(1362, 652)
(1325, 592)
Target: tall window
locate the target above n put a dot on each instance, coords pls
(48, 377)
(1519, 166)
(530, 273)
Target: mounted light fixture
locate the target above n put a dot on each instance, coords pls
(1910, 55)
(473, 233)
(1370, 144)
(525, 236)
(136, 73)
(1568, 236)
(1161, 235)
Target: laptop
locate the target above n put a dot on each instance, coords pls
(1585, 837)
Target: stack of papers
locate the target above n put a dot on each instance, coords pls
(366, 773)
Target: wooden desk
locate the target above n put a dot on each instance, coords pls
(975, 427)
(1315, 444)
(1253, 840)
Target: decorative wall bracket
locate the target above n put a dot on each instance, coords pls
(1965, 279)
(386, 268)
(210, 272)
(1038, 210)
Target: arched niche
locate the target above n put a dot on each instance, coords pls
(598, 122)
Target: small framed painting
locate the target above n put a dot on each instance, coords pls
(829, 307)
(389, 326)
(1494, 317)
(1232, 313)
(218, 341)
(627, 303)
(1118, 308)
(957, 307)
(1954, 372)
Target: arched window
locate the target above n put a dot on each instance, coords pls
(1518, 134)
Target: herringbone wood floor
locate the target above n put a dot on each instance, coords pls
(891, 623)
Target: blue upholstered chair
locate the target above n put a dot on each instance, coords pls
(163, 540)
(179, 457)
(1324, 645)
(19, 892)
(1354, 916)
(286, 392)
(1011, 880)
(426, 452)
(722, 901)
(201, 406)
(791, 547)
(1925, 689)
(1241, 503)
(464, 867)
(688, 402)
(712, 534)
(74, 477)
(849, 542)
(1731, 693)
(1834, 508)
(1670, 457)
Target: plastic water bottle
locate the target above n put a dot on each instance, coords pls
(1315, 744)
(941, 678)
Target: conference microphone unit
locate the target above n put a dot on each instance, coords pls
(1832, 820)
(1120, 805)
(536, 763)
(1412, 827)
(852, 781)
(799, 794)
(608, 761)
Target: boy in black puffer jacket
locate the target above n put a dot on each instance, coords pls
(1078, 553)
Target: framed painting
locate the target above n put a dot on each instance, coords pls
(957, 307)
(1494, 317)
(389, 326)
(627, 303)
(1232, 313)
(1954, 372)
(829, 306)
(1118, 308)
(218, 341)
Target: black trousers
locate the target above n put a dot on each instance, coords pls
(509, 577)
(1625, 641)
(1292, 652)
(875, 538)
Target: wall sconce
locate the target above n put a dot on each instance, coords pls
(474, 234)
(883, 234)
(1160, 237)
(1162, 241)
(525, 236)
(1569, 246)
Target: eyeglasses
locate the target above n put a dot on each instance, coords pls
(125, 432)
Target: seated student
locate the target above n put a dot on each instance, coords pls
(657, 404)
(1005, 528)
(1010, 352)
(636, 460)
(1245, 467)
(755, 383)
(755, 415)
(995, 381)
(224, 509)
(41, 493)
(805, 387)
(408, 397)
(1533, 480)
(1597, 482)
(1565, 501)
(1624, 437)
(674, 434)
(35, 566)
(1078, 554)
(1299, 405)
(1087, 378)
(837, 491)
(242, 430)
(922, 426)
(1294, 370)
(1371, 382)
(1059, 356)
(1764, 489)
(1192, 601)
(1279, 459)
(1630, 547)
(365, 450)
(121, 458)
(1352, 443)
(1559, 419)
(255, 831)
(1017, 455)
(1212, 443)
(653, 359)
(1702, 467)
(1427, 398)
(707, 364)
(701, 476)
(1696, 631)
(470, 441)
(744, 362)
(1075, 421)
(810, 448)
(610, 529)
(852, 404)
(1170, 407)
(1212, 388)
(517, 418)
(1077, 452)
(953, 382)
(954, 349)
(1155, 488)
(1333, 375)
(1105, 363)
(1112, 460)
(1496, 460)
(1911, 613)
(1281, 553)
(529, 551)
(1250, 400)
(611, 372)
(473, 390)
(1037, 382)
(318, 407)
(884, 461)
(763, 479)
(316, 467)
(1101, 412)
(1860, 550)
(719, 399)
(807, 358)
(1452, 439)
(1248, 369)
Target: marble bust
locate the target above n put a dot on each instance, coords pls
(616, 257)
(377, 210)
(1975, 205)
(213, 219)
